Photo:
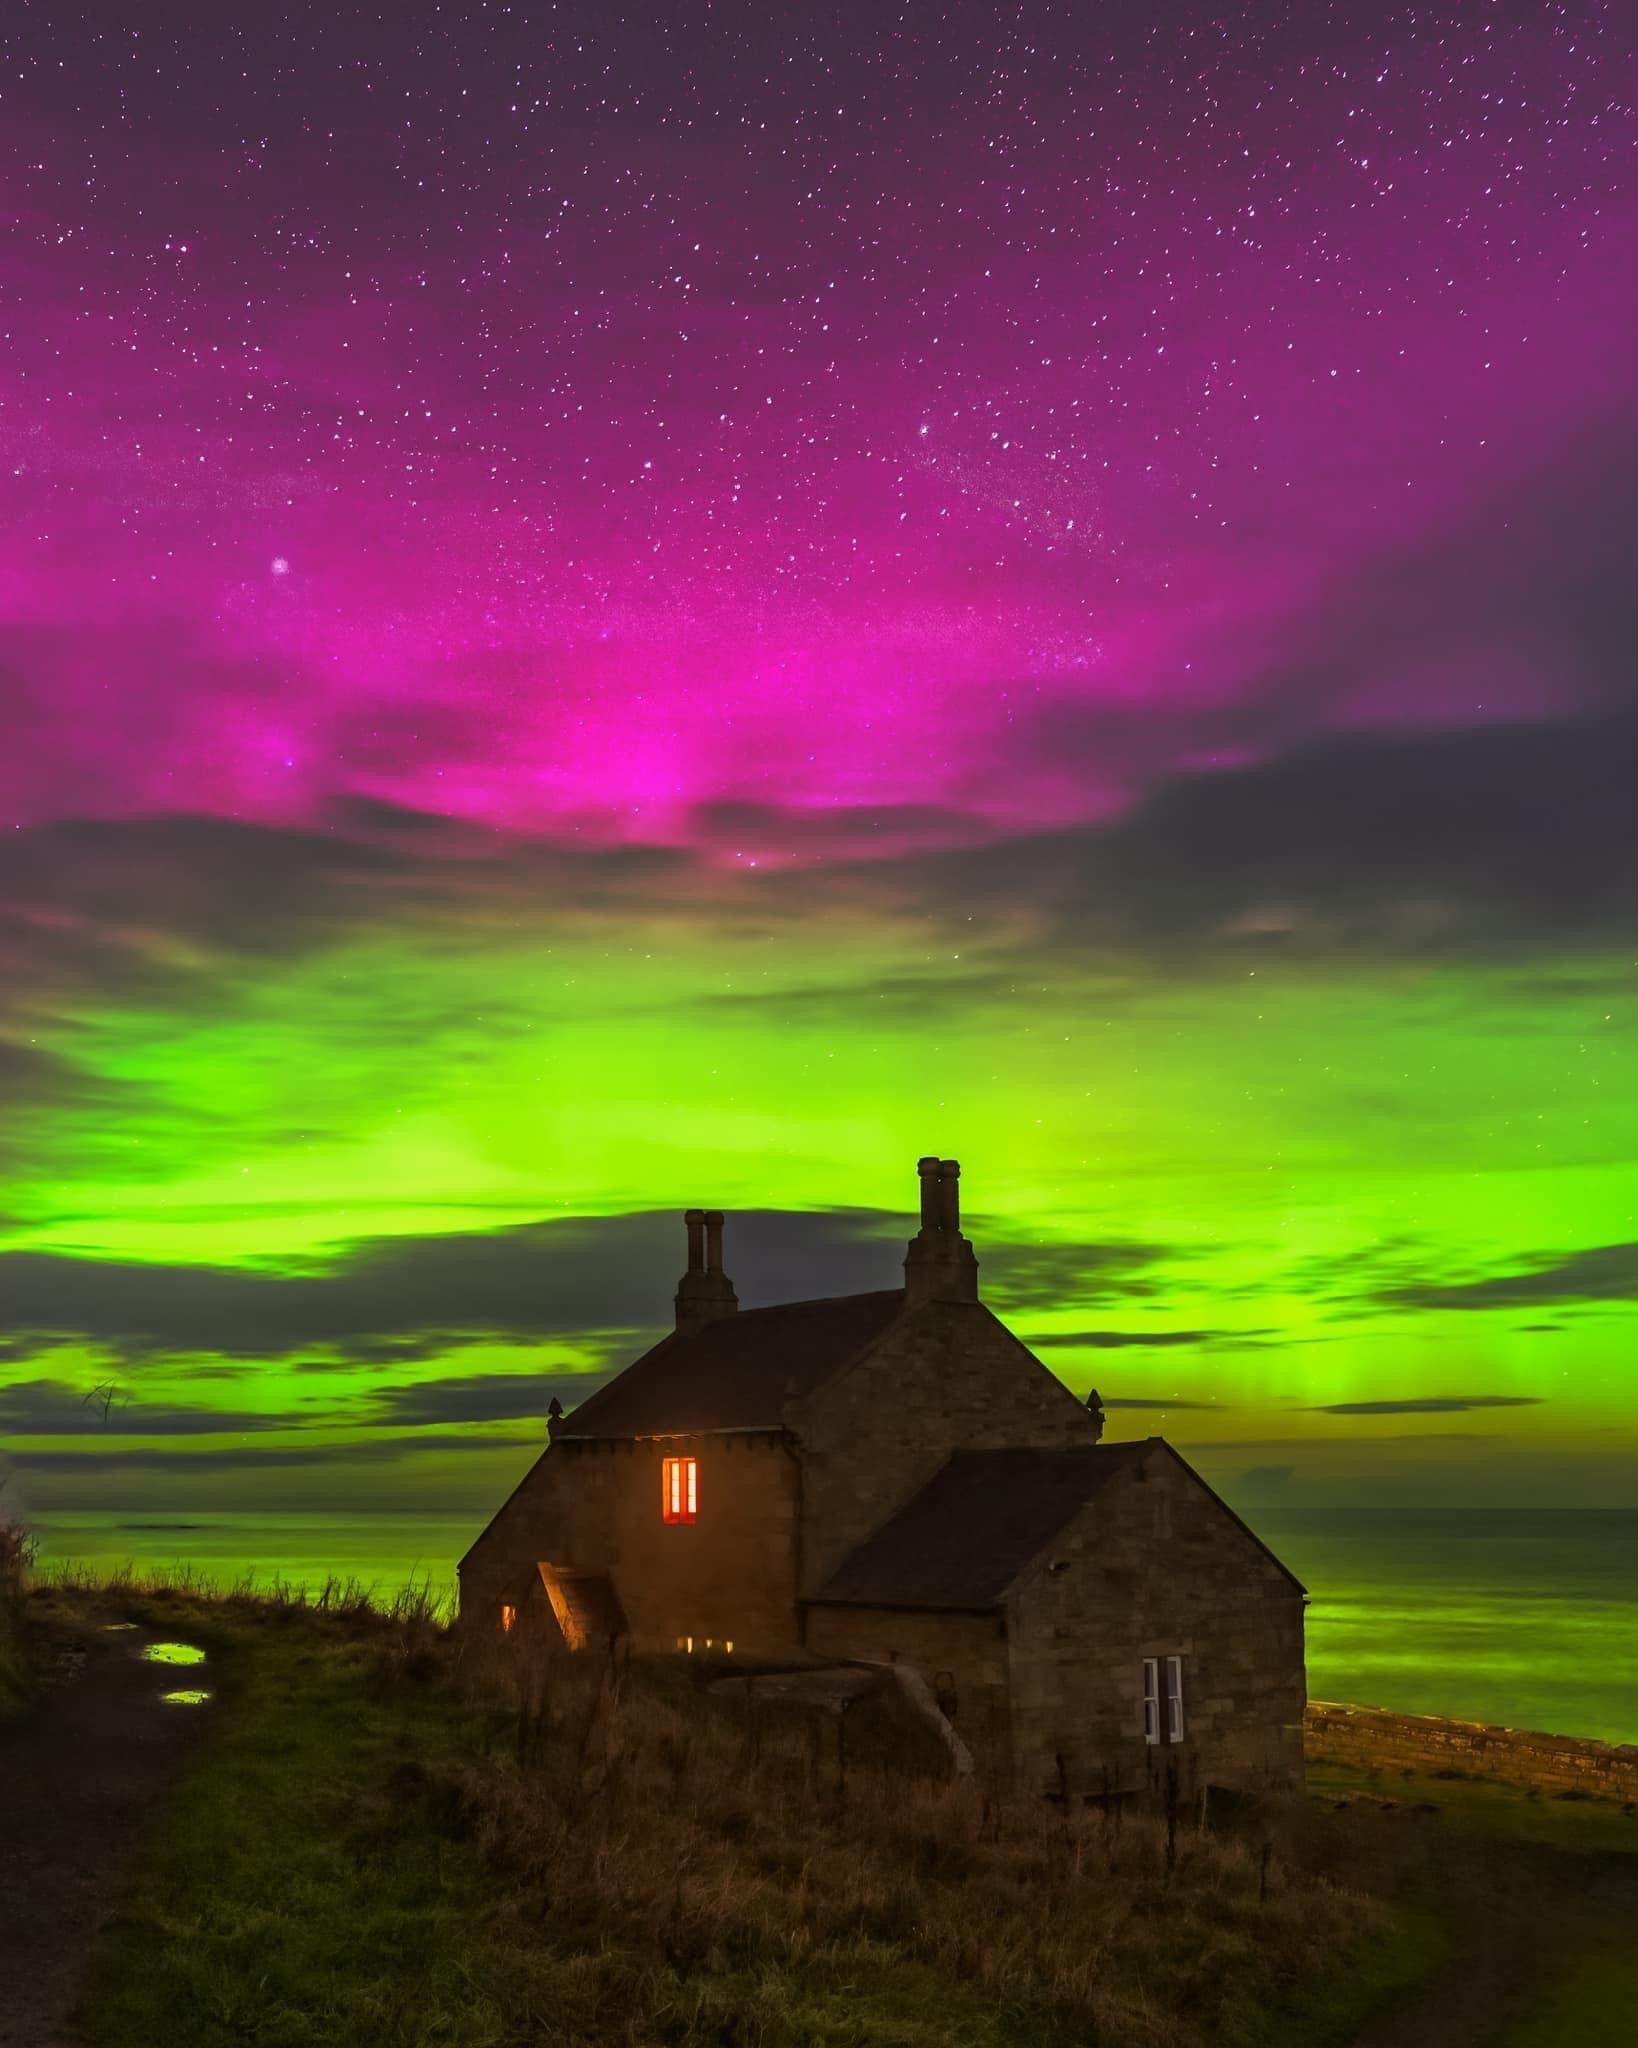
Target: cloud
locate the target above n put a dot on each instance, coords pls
(1483, 840)
(483, 1397)
(606, 1282)
(1159, 1401)
(49, 1408)
(380, 1299)
(1120, 1340)
(1358, 794)
(1606, 1272)
(1432, 1404)
(1266, 1480)
(259, 1457)
(1064, 1275)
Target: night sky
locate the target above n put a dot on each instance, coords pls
(607, 609)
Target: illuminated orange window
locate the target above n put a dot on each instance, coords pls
(508, 1616)
(679, 1489)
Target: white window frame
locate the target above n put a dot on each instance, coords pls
(1163, 1716)
(1174, 1699)
(1151, 1700)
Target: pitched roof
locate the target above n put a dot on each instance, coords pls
(974, 1526)
(737, 1373)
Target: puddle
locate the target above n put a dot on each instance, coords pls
(184, 1699)
(173, 1653)
(110, 1626)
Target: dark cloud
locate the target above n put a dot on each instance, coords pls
(527, 1282)
(1432, 1404)
(482, 1397)
(1330, 1443)
(1366, 817)
(1483, 839)
(1066, 1275)
(1120, 1340)
(259, 1457)
(604, 1281)
(49, 1408)
(1266, 1481)
(1607, 1272)
(1159, 1401)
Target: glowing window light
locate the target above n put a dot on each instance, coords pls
(679, 1489)
(509, 1615)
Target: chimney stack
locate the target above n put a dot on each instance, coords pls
(940, 1264)
(704, 1293)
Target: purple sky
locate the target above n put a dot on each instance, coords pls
(605, 609)
(584, 428)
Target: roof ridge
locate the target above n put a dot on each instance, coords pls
(730, 1374)
(820, 1301)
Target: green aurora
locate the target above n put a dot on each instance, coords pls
(332, 1225)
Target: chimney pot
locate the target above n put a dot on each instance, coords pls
(939, 1264)
(949, 1185)
(695, 1220)
(705, 1292)
(928, 1169)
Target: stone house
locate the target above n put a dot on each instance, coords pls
(894, 1477)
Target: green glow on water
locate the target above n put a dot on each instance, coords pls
(173, 1653)
(188, 1698)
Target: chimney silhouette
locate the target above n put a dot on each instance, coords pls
(704, 1293)
(939, 1264)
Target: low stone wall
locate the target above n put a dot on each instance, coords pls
(1373, 1737)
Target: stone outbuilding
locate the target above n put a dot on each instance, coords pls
(894, 1477)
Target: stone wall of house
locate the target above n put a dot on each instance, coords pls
(948, 1376)
(963, 1658)
(1154, 1566)
(596, 1506)
(500, 1567)
(1374, 1739)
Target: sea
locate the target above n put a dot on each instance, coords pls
(1527, 1618)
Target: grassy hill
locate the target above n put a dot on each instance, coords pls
(386, 1838)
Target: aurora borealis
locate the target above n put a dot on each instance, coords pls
(600, 613)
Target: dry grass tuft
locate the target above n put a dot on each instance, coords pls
(731, 1842)
(17, 1553)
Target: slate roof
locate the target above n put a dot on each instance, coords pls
(737, 1373)
(974, 1526)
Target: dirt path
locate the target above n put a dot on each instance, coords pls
(1514, 1921)
(79, 1773)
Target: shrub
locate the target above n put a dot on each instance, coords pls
(17, 1554)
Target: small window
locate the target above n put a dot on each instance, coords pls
(1162, 1699)
(679, 1489)
(1174, 1699)
(508, 1616)
(1151, 1699)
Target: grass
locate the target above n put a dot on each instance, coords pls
(1526, 1903)
(1590, 1996)
(16, 1658)
(389, 1838)
(393, 1839)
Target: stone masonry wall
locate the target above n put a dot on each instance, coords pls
(501, 1565)
(963, 1654)
(1375, 1739)
(948, 1376)
(727, 1576)
(1154, 1566)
